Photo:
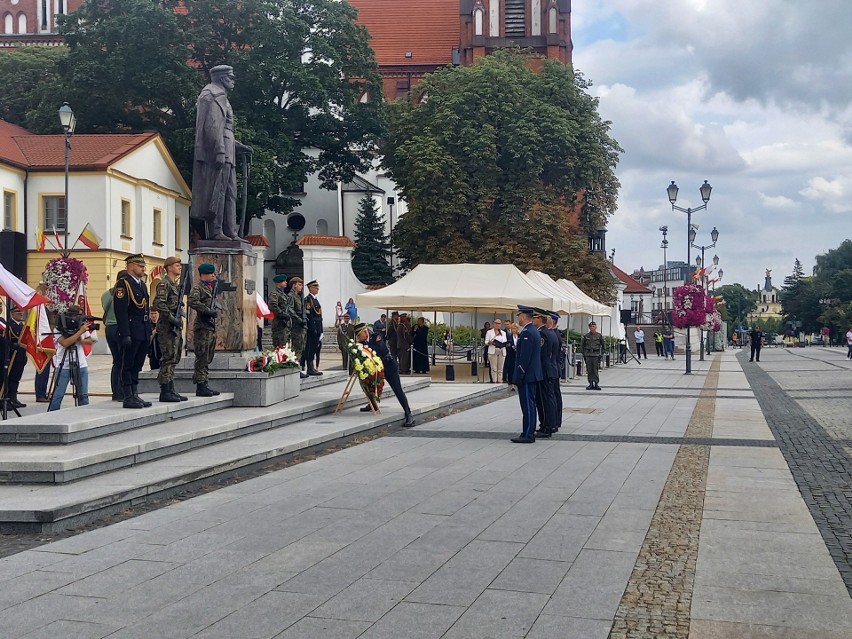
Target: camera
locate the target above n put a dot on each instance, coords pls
(70, 323)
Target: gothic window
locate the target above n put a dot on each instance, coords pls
(552, 16)
(494, 18)
(535, 18)
(516, 22)
(22, 23)
(44, 15)
(477, 21)
(8, 23)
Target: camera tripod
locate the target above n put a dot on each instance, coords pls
(72, 357)
(5, 401)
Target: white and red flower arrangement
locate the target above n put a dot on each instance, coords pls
(62, 279)
(693, 308)
(271, 361)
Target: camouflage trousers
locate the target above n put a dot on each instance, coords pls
(299, 336)
(205, 347)
(280, 335)
(170, 345)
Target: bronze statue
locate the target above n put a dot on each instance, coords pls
(214, 175)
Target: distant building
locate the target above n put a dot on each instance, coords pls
(662, 282)
(27, 22)
(768, 302)
(635, 296)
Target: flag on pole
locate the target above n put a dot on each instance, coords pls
(37, 338)
(17, 291)
(58, 241)
(262, 308)
(81, 301)
(89, 237)
(40, 241)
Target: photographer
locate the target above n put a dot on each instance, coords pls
(71, 333)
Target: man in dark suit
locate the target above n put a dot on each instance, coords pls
(546, 403)
(313, 315)
(134, 327)
(559, 363)
(527, 373)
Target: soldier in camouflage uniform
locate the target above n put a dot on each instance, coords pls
(298, 323)
(169, 328)
(592, 346)
(204, 328)
(278, 305)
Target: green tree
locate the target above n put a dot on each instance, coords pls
(303, 68)
(494, 161)
(39, 87)
(370, 260)
(739, 302)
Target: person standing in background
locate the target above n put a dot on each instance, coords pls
(420, 337)
(203, 328)
(639, 336)
(668, 341)
(495, 342)
(352, 310)
(168, 329)
(278, 305)
(404, 340)
(658, 343)
(132, 316)
(313, 317)
(756, 339)
(592, 346)
(114, 344)
(298, 324)
(527, 373)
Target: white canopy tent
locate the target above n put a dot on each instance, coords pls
(455, 288)
(582, 303)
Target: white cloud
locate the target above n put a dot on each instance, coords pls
(776, 201)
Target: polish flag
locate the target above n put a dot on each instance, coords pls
(22, 295)
(262, 308)
(38, 338)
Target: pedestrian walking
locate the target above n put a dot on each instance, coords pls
(592, 347)
(527, 373)
(849, 343)
(201, 300)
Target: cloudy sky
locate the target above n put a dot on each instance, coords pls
(754, 96)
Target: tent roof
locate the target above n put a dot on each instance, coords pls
(566, 304)
(584, 304)
(493, 288)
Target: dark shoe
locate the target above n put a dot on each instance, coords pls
(366, 409)
(312, 372)
(118, 398)
(135, 393)
(166, 395)
(597, 387)
(302, 375)
(202, 390)
(131, 401)
(14, 403)
(183, 398)
(409, 421)
(42, 400)
(545, 435)
(522, 440)
(590, 387)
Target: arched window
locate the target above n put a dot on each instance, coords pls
(552, 19)
(477, 21)
(22, 23)
(494, 18)
(8, 23)
(535, 21)
(322, 226)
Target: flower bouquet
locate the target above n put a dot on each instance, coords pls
(271, 361)
(62, 278)
(369, 368)
(693, 308)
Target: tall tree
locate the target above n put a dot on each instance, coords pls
(371, 258)
(39, 87)
(494, 161)
(739, 302)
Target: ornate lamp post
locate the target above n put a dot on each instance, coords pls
(671, 191)
(714, 235)
(69, 122)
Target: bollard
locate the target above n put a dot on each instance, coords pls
(579, 368)
(474, 369)
(450, 373)
(607, 360)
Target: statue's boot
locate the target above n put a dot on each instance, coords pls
(214, 228)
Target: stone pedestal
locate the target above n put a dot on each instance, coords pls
(236, 263)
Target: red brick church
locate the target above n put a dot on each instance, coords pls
(25, 22)
(415, 37)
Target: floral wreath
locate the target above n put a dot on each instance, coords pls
(369, 368)
(62, 277)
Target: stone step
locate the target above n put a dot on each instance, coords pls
(65, 463)
(48, 507)
(75, 424)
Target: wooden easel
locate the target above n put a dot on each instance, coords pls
(347, 390)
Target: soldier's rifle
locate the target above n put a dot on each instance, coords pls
(177, 323)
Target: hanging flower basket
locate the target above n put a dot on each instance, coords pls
(62, 277)
(694, 309)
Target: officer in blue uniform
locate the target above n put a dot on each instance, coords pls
(546, 395)
(377, 343)
(130, 301)
(527, 372)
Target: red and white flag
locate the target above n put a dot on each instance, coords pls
(19, 292)
(38, 338)
(262, 308)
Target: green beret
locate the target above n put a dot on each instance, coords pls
(279, 278)
(206, 269)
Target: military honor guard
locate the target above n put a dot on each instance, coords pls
(17, 355)
(592, 347)
(558, 362)
(298, 323)
(528, 372)
(169, 332)
(132, 308)
(345, 332)
(378, 344)
(546, 390)
(313, 317)
(278, 305)
(204, 328)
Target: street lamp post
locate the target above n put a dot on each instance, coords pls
(68, 122)
(672, 190)
(714, 235)
(665, 245)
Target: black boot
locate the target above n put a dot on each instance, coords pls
(182, 398)
(13, 396)
(203, 390)
(145, 404)
(130, 400)
(313, 371)
(166, 394)
(409, 420)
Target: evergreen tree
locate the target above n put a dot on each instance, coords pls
(370, 261)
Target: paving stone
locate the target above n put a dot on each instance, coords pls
(264, 617)
(313, 628)
(125, 575)
(71, 630)
(552, 626)
(531, 575)
(499, 613)
(415, 621)
(365, 600)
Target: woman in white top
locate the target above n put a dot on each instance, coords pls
(495, 339)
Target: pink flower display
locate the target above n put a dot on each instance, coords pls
(62, 276)
(693, 308)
